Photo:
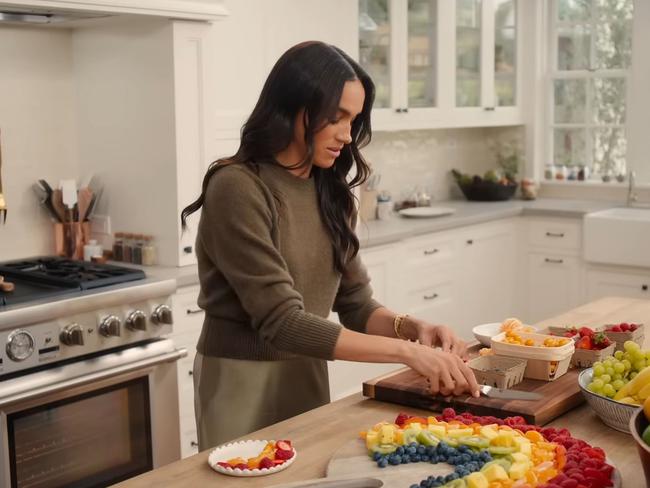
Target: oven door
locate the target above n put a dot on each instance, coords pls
(91, 423)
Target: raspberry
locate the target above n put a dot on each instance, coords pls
(449, 413)
(283, 455)
(241, 466)
(266, 463)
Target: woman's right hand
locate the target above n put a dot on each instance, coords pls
(446, 373)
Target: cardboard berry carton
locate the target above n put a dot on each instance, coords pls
(625, 331)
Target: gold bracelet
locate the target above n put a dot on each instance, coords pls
(398, 321)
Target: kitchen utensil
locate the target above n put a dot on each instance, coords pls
(84, 199)
(3, 204)
(492, 392)
(57, 204)
(93, 202)
(69, 195)
(426, 212)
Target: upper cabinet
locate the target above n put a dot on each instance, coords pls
(442, 63)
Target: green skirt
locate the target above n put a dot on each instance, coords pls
(233, 397)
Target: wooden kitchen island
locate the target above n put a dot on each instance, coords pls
(319, 433)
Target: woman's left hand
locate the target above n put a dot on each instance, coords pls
(440, 335)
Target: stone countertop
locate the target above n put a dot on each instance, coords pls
(376, 232)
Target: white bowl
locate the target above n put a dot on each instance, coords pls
(485, 332)
(244, 449)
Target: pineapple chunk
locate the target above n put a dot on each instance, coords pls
(438, 430)
(518, 470)
(489, 432)
(415, 425)
(495, 472)
(387, 434)
(518, 457)
(524, 446)
(476, 480)
(372, 439)
(456, 433)
(503, 439)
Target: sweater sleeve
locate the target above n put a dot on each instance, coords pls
(354, 302)
(236, 233)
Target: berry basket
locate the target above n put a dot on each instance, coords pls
(619, 338)
(585, 358)
(498, 371)
(615, 414)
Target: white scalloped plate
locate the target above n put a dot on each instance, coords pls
(244, 449)
(425, 212)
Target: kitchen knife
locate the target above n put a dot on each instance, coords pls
(503, 394)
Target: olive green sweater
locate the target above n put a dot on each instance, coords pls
(266, 268)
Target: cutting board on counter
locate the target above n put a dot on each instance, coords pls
(406, 387)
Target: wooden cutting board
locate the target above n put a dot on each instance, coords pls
(406, 387)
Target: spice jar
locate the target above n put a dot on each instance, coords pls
(127, 248)
(549, 172)
(136, 250)
(149, 254)
(118, 246)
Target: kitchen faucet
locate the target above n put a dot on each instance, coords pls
(631, 194)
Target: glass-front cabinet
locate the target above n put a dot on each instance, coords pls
(441, 63)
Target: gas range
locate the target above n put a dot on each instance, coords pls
(62, 309)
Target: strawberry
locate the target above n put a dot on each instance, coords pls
(242, 466)
(633, 327)
(283, 455)
(600, 341)
(284, 445)
(624, 327)
(266, 463)
(616, 328)
(584, 343)
(585, 331)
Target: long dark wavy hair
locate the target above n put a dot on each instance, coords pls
(309, 76)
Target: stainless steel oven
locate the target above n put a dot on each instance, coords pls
(91, 422)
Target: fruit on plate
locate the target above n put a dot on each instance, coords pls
(273, 454)
(625, 376)
(501, 453)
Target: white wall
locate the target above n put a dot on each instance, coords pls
(38, 132)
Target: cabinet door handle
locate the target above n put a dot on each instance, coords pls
(430, 297)
(488, 109)
(554, 261)
(470, 242)
(194, 311)
(555, 234)
(429, 252)
(190, 373)
(644, 287)
(194, 444)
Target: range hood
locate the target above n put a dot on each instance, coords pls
(58, 11)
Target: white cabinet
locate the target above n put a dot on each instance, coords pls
(555, 273)
(380, 262)
(188, 320)
(442, 63)
(617, 282)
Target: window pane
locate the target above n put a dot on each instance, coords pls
(573, 47)
(570, 101)
(468, 53)
(574, 10)
(421, 52)
(613, 34)
(569, 146)
(610, 147)
(374, 46)
(505, 51)
(609, 100)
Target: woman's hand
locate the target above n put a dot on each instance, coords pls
(445, 372)
(438, 335)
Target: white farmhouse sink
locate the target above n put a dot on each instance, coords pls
(618, 236)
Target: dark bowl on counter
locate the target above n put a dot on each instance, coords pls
(638, 424)
(488, 191)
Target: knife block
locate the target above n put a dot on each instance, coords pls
(70, 238)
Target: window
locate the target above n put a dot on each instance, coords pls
(589, 67)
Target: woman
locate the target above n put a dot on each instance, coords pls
(277, 251)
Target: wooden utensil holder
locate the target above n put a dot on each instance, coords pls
(70, 238)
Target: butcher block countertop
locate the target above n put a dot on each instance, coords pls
(318, 434)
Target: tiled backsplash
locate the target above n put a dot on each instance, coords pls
(425, 158)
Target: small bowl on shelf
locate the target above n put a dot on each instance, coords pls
(615, 414)
(488, 191)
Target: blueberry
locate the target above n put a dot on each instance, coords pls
(430, 450)
(436, 484)
(421, 450)
(400, 450)
(415, 458)
(406, 459)
(415, 486)
(376, 456)
(451, 477)
(414, 444)
(466, 458)
(424, 458)
(382, 463)
(434, 459)
(442, 446)
(395, 460)
(412, 450)
(424, 484)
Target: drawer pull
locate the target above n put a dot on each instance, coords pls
(554, 261)
(644, 287)
(190, 373)
(195, 311)
(194, 444)
(429, 252)
(430, 297)
(555, 234)
(470, 242)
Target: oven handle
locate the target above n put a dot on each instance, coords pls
(90, 377)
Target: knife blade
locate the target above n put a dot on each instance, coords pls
(501, 393)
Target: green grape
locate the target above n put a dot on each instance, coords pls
(599, 370)
(647, 355)
(639, 365)
(608, 363)
(637, 356)
(609, 390)
(633, 374)
(619, 367)
(609, 371)
(617, 376)
(627, 364)
(595, 388)
(606, 378)
(619, 355)
(631, 346)
(618, 384)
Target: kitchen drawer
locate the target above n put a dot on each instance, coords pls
(556, 234)
(428, 250)
(438, 288)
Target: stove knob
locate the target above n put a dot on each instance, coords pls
(136, 320)
(110, 326)
(72, 335)
(162, 314)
